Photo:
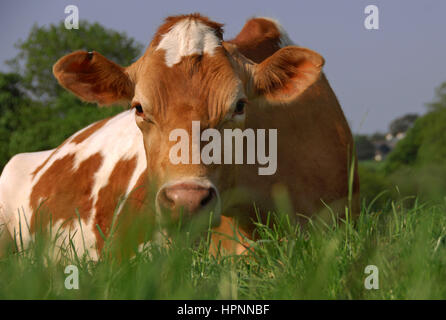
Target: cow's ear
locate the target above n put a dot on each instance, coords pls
(282, 77)
(94, 78)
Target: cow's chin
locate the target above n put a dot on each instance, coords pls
(188, 204)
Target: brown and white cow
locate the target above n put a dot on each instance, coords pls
(188, 73)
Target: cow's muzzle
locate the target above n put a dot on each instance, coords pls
(188, 198)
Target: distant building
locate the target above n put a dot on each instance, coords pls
(383, 144)
(383, 147)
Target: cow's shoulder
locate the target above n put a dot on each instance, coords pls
(21, 164)
(260, 38)
(16, 174)
(110, 139)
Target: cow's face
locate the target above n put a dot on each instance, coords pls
(201, 88)
(189, 74)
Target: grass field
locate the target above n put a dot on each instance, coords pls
(405, 240)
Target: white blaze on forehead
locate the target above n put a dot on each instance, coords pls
(188, 37)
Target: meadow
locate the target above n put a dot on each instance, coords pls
(404, 239)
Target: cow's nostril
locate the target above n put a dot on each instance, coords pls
(207, 199)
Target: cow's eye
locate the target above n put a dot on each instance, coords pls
(240, 107)
(139, 110)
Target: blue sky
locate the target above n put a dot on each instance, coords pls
(377, 75)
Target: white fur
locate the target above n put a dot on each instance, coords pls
(187, 37)
(15, 191)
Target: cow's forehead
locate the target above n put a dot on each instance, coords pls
(186, 35)
(186, 63)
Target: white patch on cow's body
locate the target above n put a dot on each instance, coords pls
(124, 141)
(285, 40)
(15, 190)
(187, 37)
(118, 139)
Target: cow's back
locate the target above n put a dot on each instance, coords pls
(315, 144)
(314, 154)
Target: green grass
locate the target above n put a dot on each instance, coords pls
(318, 261)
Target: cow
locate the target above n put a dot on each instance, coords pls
(259, 79)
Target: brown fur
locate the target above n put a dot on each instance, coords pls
(282, 77)
(40, 167)
(93, 78)
(315, 146)
(61, 190)
(137, 198)
(258, 39)
(81, 137)
(109, 196)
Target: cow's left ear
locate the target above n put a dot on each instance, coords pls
(282, 77)
(94, 78)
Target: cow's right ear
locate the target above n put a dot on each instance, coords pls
(94, 78)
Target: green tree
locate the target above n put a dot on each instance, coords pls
(46, 44)
(402, 124)
(440, 100)
(425, 142)
(12, 97)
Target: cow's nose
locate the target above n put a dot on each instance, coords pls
(190, 196)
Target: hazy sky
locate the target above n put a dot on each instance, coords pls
(377, 74)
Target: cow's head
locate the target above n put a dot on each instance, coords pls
(188, 73)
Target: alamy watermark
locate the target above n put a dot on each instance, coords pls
(371, 22)
(211, 153)
(72, 20)
(372, 280)
(72, 280)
